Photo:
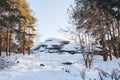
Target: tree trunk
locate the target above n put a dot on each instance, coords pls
(109, 45)
(118, 39)
(24, 42)
(104, 48)
(119, 31)
(10, 36)
(28, 50)
(7, 42)
(113, 39)
(0, 42)
(117, 42)
(24, 46)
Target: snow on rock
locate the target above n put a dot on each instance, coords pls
(52, 41)
(47, 44)
(53, 45)
(71, 46)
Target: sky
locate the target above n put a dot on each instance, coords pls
(51, 16)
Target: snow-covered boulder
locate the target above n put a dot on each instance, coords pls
(53, 45)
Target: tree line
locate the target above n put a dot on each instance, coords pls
(98, 20)
(17, 27)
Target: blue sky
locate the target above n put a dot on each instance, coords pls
(51, 15)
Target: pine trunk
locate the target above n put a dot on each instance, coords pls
(24, 47)
(24, 42)
(10, 42)
(28, 50)
(7, 42)
(0, 42)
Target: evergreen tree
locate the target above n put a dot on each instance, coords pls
(15, 22)
(26, 27)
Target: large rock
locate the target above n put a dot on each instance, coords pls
(53, 45)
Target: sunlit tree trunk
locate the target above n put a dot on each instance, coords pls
(10, 37)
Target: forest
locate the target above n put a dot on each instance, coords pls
(94, 53)
(17, 26)
(99, 21)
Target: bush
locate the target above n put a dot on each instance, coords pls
(3, 63)
(6, 62)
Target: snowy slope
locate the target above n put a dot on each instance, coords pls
(41, 65)
(49, 67)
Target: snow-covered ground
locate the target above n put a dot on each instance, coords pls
(46, 66)
(43, 65)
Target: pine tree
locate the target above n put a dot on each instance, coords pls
(26, 26)
(15, 17)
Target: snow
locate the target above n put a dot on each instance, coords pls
(47, 66)
(29, 67)
(71, 46)
(52, 41)
(53, 45)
